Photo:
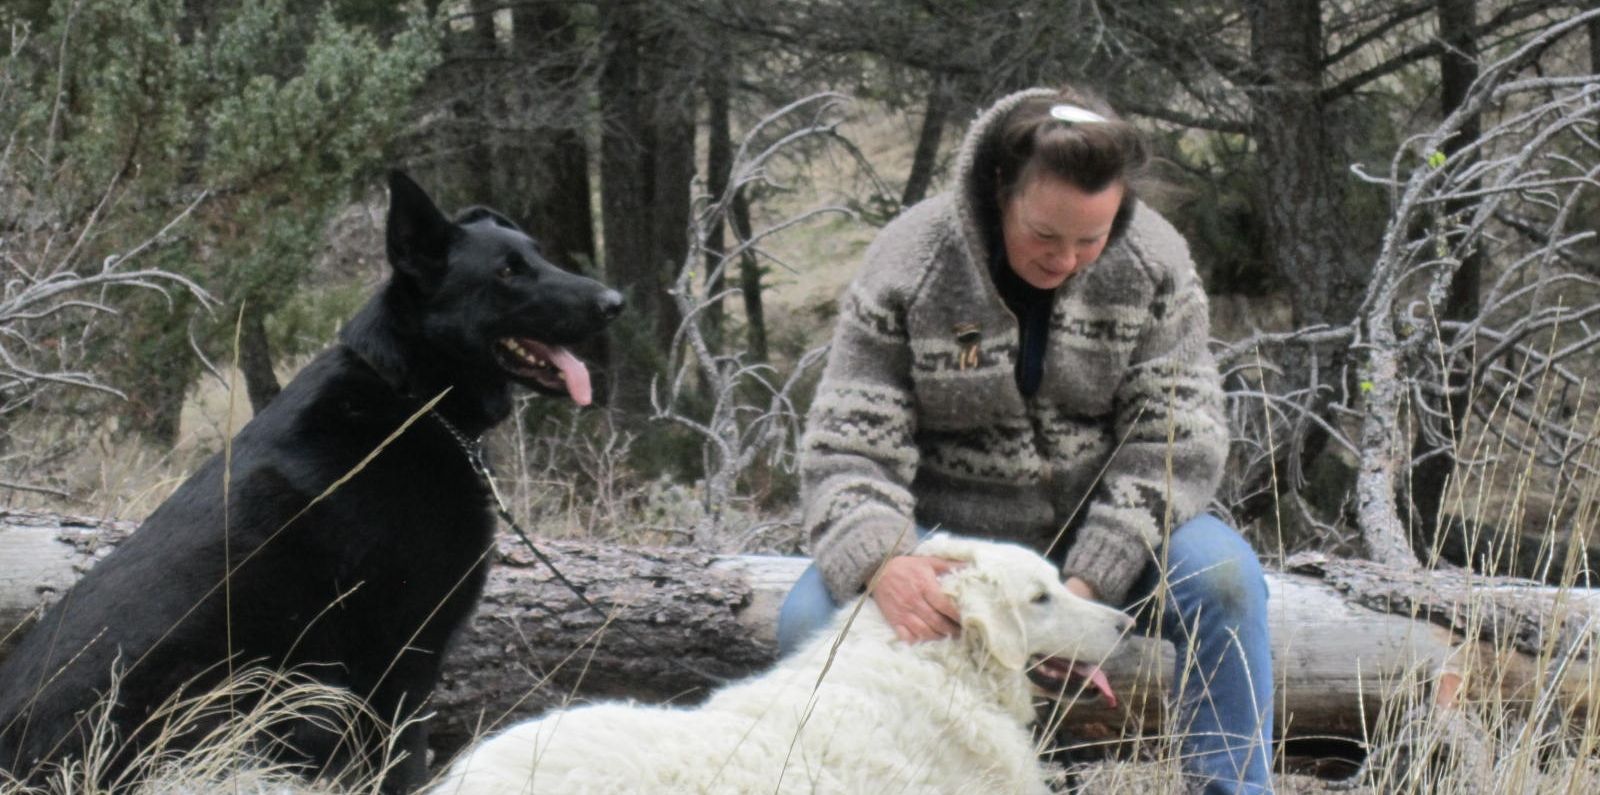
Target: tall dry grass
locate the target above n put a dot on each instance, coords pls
(232, 738)
(1497, 721)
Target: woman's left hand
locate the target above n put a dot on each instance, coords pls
(1080, 587)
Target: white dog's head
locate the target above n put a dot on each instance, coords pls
(1013, 603)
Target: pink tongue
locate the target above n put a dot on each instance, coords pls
(1097, 678)
(577, 375)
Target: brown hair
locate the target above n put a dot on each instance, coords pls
(1090, 155)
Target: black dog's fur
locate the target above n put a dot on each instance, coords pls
(405, 541)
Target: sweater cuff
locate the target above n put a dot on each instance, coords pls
(1108, 560)
(849, 563)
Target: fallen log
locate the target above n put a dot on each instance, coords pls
(1347, 636)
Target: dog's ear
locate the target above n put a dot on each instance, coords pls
(417, 236)
(476, 213)
(988, 616)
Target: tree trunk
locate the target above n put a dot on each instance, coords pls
(1303, 184)
(561, 218)
(1344, 632)
(719, 164)
(255, 362)
(755, 314)
(646, 165)
(1302, 196)
(41, 556)
(1380, 475)
(480, 154)
(556, 198)
(1594, 46)
(627, 186)
(935, 112)
(675, 168)
(1458, 68)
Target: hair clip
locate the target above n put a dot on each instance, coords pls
(1072, 114)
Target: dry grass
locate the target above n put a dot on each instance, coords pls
(1520, 724)
(222, 740)
(86, 465)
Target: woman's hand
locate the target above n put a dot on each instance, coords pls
(908, 594)
(1080, 587)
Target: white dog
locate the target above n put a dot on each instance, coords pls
(854, 711)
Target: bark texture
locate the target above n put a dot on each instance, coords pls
(555, 201)
(924, 159)
(1303, 189)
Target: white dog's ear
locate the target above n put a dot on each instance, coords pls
(987, 617)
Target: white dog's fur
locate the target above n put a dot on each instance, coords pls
(944, 716)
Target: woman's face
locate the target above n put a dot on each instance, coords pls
(1052, 229)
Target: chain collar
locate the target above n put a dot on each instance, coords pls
(472, 447)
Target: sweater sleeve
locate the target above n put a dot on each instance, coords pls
(1169, 418)
(859, 455)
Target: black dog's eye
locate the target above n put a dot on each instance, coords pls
(515, 266)
(1042, 599)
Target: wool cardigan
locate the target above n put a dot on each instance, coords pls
(918, 419)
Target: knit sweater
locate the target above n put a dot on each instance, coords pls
(918, 419)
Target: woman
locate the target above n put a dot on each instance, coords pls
(1024, 357)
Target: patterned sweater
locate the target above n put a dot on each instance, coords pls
(919, 420)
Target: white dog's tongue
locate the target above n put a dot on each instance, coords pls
(574, 373)
(1097, 678)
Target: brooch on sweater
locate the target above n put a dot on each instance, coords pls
(968, 335)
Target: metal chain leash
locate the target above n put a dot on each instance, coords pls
(473, 448)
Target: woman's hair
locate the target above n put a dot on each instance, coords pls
(1073, 136)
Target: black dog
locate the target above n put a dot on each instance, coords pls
(361, 588)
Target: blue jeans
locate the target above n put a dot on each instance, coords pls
(1214, 612)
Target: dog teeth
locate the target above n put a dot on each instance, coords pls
(527, 356)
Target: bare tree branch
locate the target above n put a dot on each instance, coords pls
(45, 299)
(751, 408)
(1522, 365)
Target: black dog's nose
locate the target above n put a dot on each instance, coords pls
(610, 304)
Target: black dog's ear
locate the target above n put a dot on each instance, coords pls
(475, 213)
(417, 236)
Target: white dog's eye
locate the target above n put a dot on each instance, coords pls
(1042, 598)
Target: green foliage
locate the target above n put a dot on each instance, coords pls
(126, 85)
(296, 142)
(307, 129)
(309, 318)
(276, 114)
